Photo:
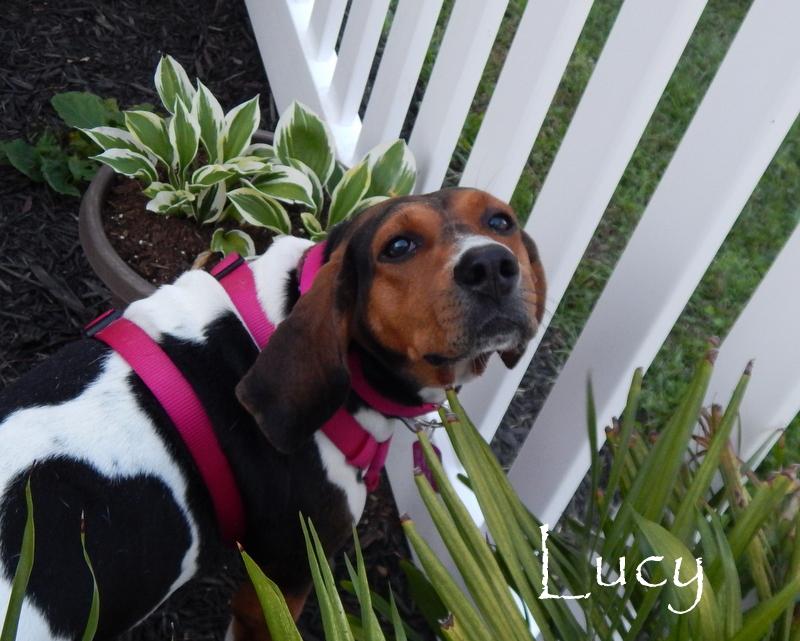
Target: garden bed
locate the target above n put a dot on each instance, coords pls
(47, 289)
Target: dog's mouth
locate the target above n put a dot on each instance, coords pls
(497, 334)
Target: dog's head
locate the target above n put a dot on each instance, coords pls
(425, 288)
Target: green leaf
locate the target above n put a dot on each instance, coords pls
(82, 169)
(240, 125)
(170, 201)
(57, 174)
(234, 240)
(348, 193)
(260, 150)
(210, 204)
(24, 158)
(260, 210)
(211, 120)
(311, 223)
(82, 110)
(247, 165)
(211, 175)
(94, 610)
(336, 176)
(704, 619)
(302, 135)
(286, 184)
(394, 170)
(279, 619)
(424, 595)
(184, 136)
(317, 194)
(114, 138)
(366, 203)
(173, 84)
(150, 131)
(128, 163)
(22, 574)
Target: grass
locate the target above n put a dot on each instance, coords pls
(768, 218)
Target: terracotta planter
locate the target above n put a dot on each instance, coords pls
(124, 283)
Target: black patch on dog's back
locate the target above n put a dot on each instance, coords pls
(61, 378)
(136, 537)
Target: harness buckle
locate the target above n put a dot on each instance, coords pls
(226, 266)
(101, 322)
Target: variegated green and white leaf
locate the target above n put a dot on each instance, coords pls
(260, 150)
(336, 176)
(366, 203)
(211, 119)
(348, 193)
(247, 165)
(114, 138)
(286, 184)
(234, 240)
(184, 136)
(240, 124)
(260, 210)
(173, 84)
(171, 202)
(302, 135)
(394, 170)
(128, 163)
(311, 223)
(211, 175)
(155, 187)
(317, 195)
(150, 131)
(210, 203)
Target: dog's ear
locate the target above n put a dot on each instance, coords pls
(511, 357)
(300, 378)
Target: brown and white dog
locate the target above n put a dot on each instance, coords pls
(423, 288)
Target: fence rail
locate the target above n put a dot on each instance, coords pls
(744, 116)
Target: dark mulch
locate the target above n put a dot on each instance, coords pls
(47, 290)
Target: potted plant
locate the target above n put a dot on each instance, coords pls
(217, 177)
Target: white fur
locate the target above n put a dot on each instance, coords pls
(271, 271)
(469, 241)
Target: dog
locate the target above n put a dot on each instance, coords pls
(422, 289)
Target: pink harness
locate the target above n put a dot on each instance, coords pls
(185, 409)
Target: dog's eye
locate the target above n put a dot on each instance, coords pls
(398, 248)
(500, 223)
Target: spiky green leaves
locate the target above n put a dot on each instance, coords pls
(348, 193)
(393, 168)
(260, 210)
(240, 125)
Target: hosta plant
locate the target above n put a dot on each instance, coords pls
(201, 162)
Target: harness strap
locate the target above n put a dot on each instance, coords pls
(237, 279)
(184, 408)
(359, 447)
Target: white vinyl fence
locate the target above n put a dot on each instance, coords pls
(748, 109)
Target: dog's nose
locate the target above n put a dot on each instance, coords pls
(490, 270)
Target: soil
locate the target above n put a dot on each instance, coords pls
(47, 289)
(159, 248)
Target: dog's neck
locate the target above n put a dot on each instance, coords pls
(277, 275)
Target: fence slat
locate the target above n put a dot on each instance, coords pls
(466, 45)
(359, 42)
(536, 61)
(326, 20)
(639, 56)
(292, 73)
(398, 72)
(744, 116)
(766, 330)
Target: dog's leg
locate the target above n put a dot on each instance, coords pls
(248, 622)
